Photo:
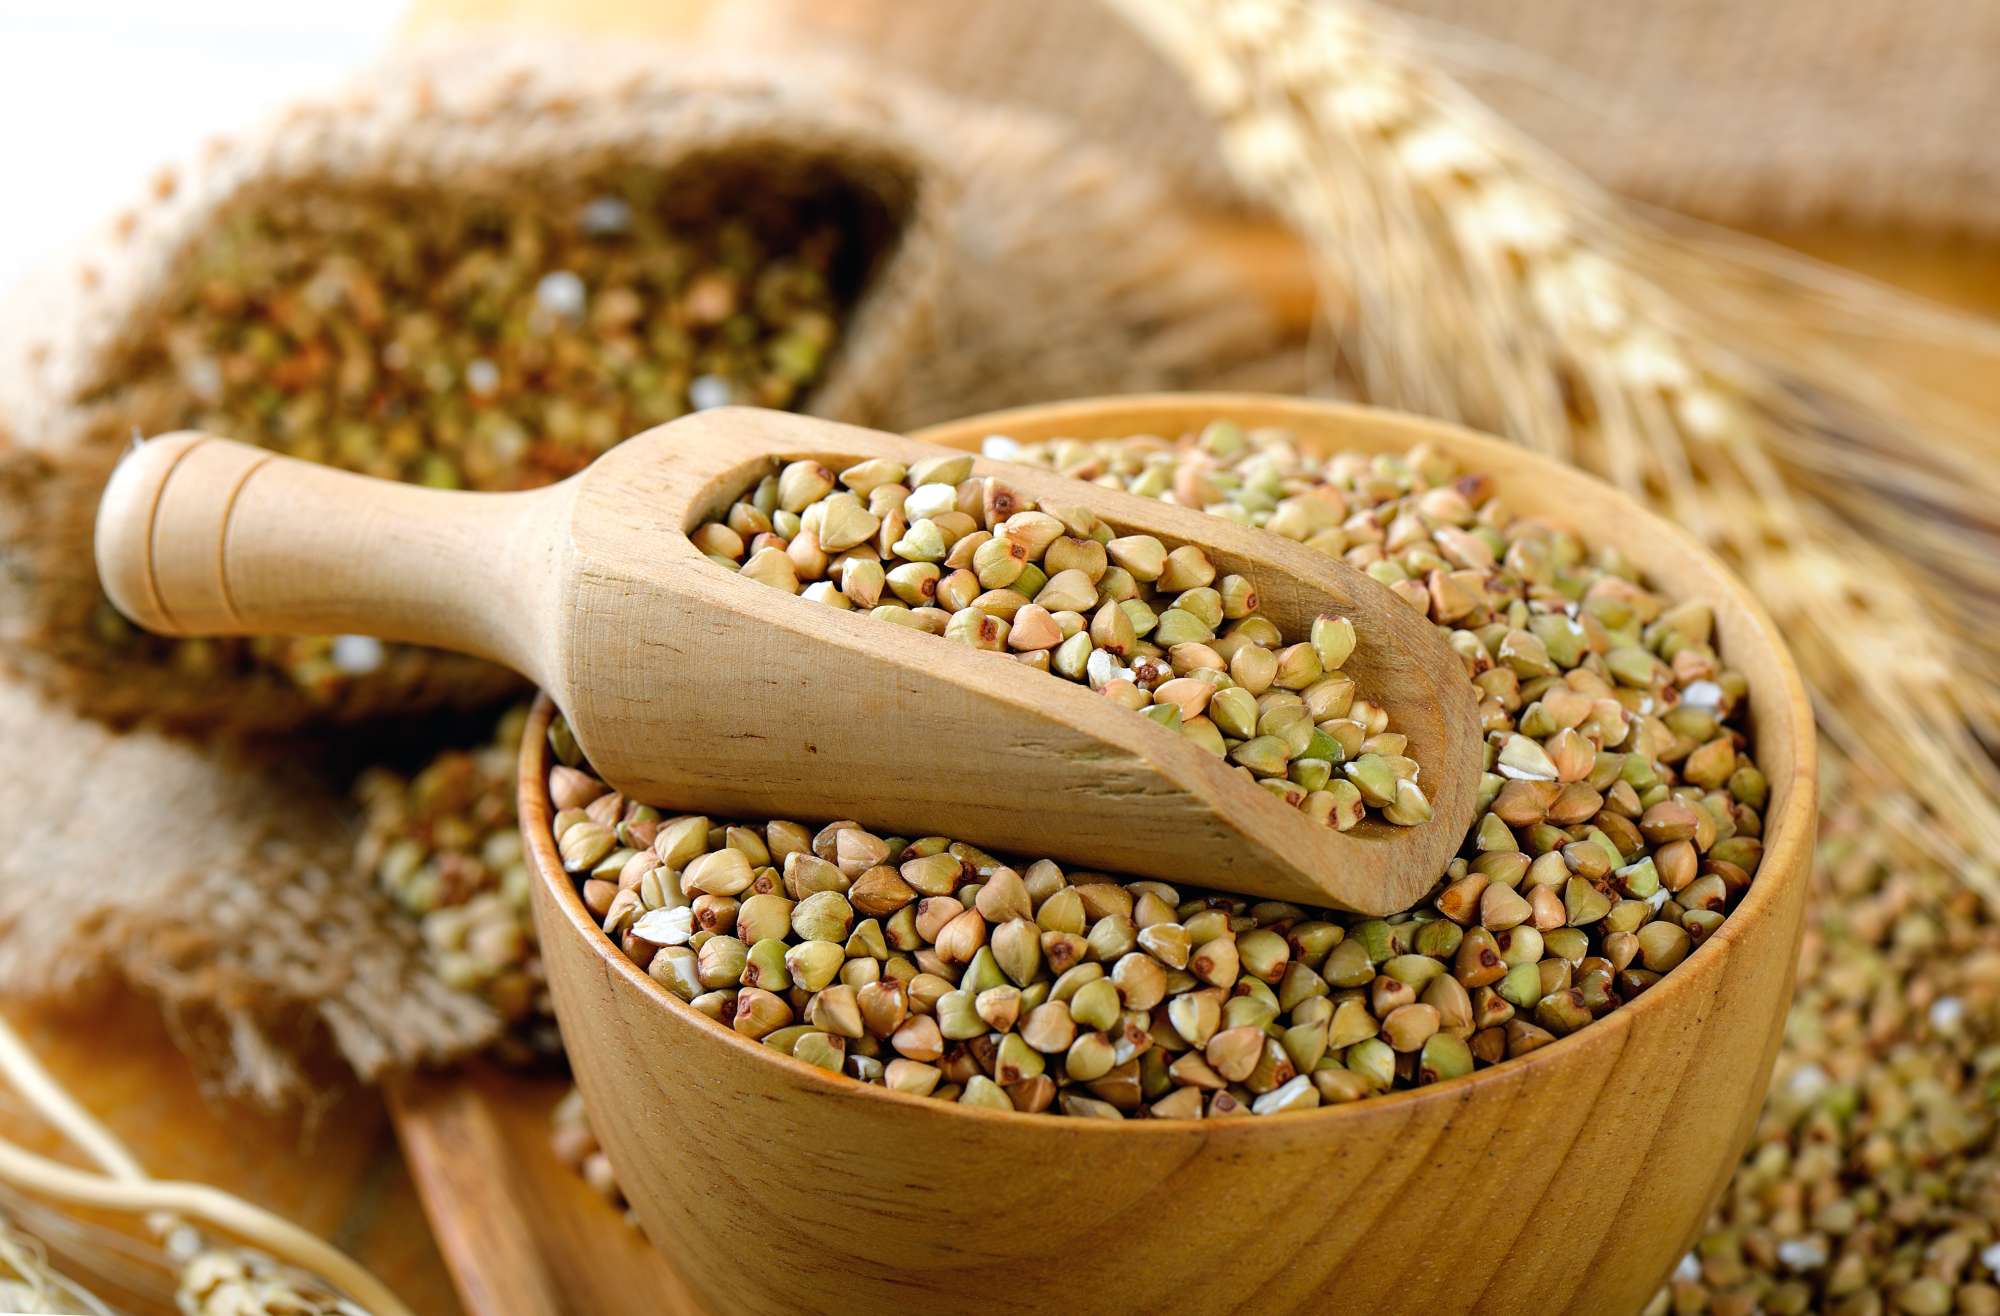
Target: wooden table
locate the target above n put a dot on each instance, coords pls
(521, 1232)
(339, 1170)
(335, 1169)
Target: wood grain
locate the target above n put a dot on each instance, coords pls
(687, 684)
(1568, 1180)
(523, 1234)
(333, 1169)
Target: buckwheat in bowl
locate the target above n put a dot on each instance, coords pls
(838, 1070)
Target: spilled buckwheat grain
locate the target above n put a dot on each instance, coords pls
(1872, 1184)
(444, 844)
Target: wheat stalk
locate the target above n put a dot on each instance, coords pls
(216, 1278)
(29, 1283)
(1489, 283)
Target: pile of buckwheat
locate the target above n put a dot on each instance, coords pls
(1621, 821)
(444, 845)
(1872, 1184)
(473, 342)
(1156, 630)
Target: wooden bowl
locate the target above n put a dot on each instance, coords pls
(1571, 1179)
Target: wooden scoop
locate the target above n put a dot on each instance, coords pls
(694, 689)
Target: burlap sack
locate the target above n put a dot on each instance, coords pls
(1025, 268)
(445, 123)
(1770, 113)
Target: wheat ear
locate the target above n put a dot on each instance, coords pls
(1487, 282)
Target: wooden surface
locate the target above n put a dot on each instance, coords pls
(774, 1186)
(335, 1170)
(593, 589)
(522, 1233)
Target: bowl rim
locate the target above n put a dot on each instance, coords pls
(1788, 836)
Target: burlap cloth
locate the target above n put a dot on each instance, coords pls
(1785, 111)
(1016, 266)
(217, 880)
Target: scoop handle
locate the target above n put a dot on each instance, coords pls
(199, 535)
